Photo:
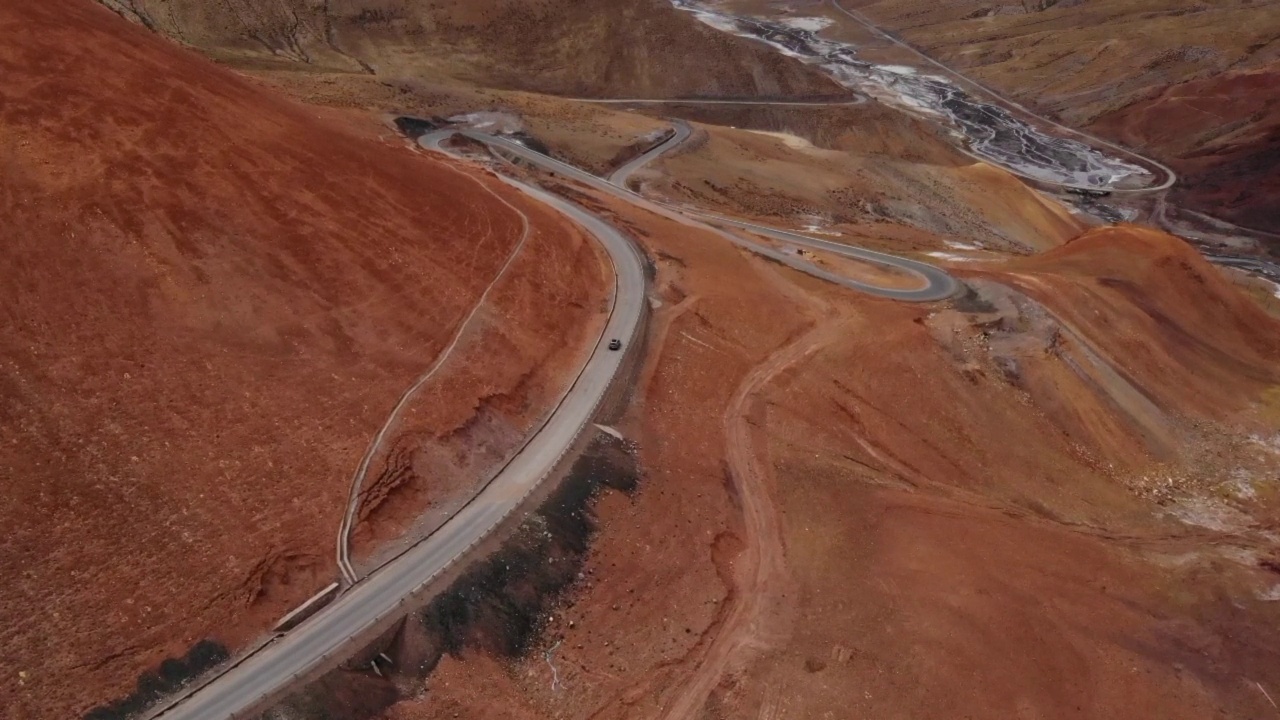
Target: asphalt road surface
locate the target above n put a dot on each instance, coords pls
(345, 565)
(260, 677)
(620, 176)
(1258, 266)
(935, 283)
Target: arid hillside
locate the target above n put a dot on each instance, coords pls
(1051, 495)
(1193, 84)
(1195, 342)
(1223, 132)
(212, 298)
(638, 48)
(1046, 497)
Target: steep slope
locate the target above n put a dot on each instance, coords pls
(212, 299)
(1162, 303)
(880, 177)
(1224, 131)
(598, 47)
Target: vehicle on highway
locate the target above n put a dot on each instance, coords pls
(615, 344)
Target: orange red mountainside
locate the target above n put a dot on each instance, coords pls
(211, 298)
(1222, 134)
(1203, 346)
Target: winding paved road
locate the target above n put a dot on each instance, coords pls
(263, 676)
(345, 565)
(379, 596)
(681, 133)
(935, 283)
(1256, 265)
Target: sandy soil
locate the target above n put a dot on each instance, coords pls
(213, 296)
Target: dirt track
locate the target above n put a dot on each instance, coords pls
(375, 445)
(760, 571)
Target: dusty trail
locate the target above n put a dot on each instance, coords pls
(760, 572)
(357, 480)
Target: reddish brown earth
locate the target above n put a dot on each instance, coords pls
(1224, 134)
(1185, 333)
(1047, 498)
(887, 517)
(213, 297)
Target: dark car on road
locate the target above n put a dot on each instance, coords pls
(615, 344)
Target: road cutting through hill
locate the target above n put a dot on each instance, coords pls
(345, 565)
(380, 596)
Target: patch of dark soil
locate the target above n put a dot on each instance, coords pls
(670, 258)
(166, 679)
(339, 695)
(499, 606)
(970, 302)
(414, 127)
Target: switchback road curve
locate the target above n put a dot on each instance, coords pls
(935, 283)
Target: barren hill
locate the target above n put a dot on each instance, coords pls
(1052, 495)
(212, 297)
(1188, 336)
(1224, 132)
(570, 47)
